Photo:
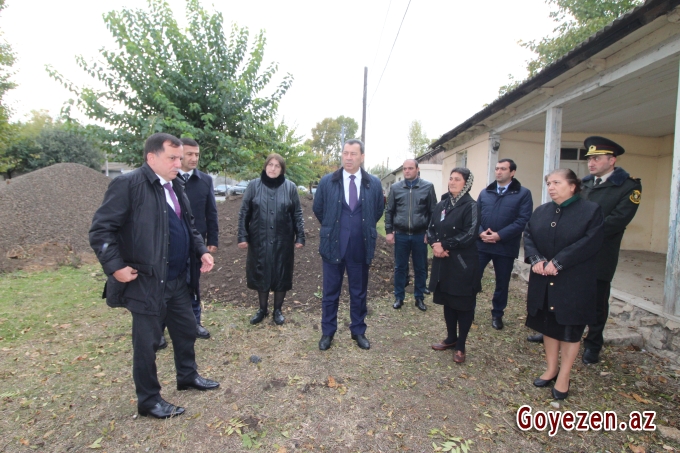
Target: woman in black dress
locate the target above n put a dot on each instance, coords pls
(561, 242)
(271, 227)
(455, 279)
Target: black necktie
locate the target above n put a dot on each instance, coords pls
(598, 181)
(185, 177)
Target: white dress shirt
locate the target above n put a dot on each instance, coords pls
(346, 181)
(168, 198)
(605, 177)
(190, 173)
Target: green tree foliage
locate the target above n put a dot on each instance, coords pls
(326, 140)
(7, 59)
(41, 142)
(379, 170)
(577, 20)
(417, 140)
(193, 83)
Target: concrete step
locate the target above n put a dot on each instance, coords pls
(621, 336)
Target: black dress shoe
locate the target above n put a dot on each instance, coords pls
(278, 317)
(362, 341)
(163, 409)
(259, 316)
(538, 338)
(426, 292)
(560, 395)
(590, 356)
(398, 303)
(497, 323)
(202, 332)
(538, 382)
(163, 344)
(325, 342)
(420, 304)
(199, 383)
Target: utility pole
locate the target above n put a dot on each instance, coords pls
(363, 119)
(342, 137)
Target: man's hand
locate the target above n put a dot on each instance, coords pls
(490, 237)
(125, 275)
(439, 251)
(212, 248)
(242, 245)
(390, 238)
(299, 246)
(207, 261)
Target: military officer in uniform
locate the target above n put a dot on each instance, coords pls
(618, 194)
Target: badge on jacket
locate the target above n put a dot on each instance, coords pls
(636, 196)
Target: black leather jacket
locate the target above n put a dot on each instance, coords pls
(409, 210)
(130, 228)
(271, 222)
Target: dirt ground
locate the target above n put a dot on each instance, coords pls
(66, 383)
(227, 284)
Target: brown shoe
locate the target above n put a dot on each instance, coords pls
(443, 346)
(459, 357)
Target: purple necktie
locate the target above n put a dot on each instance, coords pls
(168, 187)
(352, 192)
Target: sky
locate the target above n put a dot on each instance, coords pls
(448, 60)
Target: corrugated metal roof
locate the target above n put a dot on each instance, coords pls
(607, 36)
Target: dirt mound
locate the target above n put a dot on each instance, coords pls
(227, 282)
(51, 205)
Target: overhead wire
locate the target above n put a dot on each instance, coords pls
(381, 32)
(390, 55)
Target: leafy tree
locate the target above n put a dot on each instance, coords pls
(379, 170)
(41, 142)
(326, 139)
(7, 59)
(192, 83)
(577, 20)
(417, 140)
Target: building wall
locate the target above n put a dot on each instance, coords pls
(433, 174)
(477, 162)
(648, 158)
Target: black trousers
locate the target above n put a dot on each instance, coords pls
(595, 340)
(177, 314)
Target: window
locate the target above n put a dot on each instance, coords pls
(461, 159)
(575, 159)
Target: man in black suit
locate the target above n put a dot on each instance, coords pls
(199, 188)
(144, 238)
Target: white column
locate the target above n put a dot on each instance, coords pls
(494, 142)
(671, 286)
(553, 141)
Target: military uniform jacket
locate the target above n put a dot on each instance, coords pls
(619, 197)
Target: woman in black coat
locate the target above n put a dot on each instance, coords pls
(561, 242)
(455, 279)
(271, 227)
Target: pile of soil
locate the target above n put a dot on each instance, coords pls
(227, 281)
(46, 215)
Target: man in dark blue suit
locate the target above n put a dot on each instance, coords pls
(348, 204)
(199, 188)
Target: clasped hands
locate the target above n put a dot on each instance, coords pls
(490, 237)
(542, 269)
(439, 251)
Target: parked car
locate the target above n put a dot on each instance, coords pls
(238, 189)
(221, 189)
(313, 191)
(303, 189)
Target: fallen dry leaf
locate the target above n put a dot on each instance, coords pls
(640, 399)
(331, 382)
(637, 448)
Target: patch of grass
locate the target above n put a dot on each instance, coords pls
(33, 305)
(380, 226)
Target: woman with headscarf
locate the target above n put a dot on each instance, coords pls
(561, 242)
(455, 279)
(271, 227)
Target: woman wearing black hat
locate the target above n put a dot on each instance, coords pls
(271, 227)
(561, 242)
(455, 279)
